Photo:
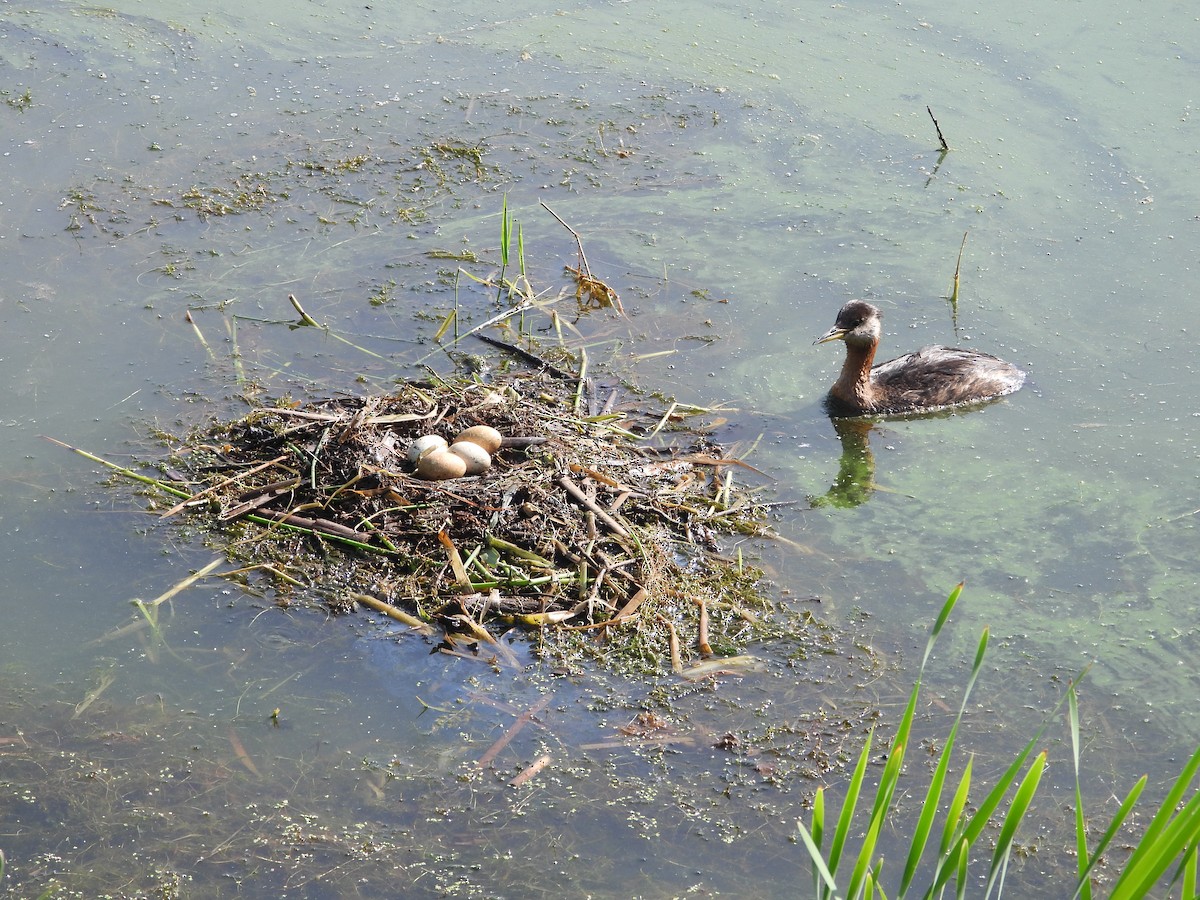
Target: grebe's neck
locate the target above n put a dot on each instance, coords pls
(854, 386)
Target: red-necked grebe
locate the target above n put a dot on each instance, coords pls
(929, 379)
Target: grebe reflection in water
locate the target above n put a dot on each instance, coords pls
(929, 379)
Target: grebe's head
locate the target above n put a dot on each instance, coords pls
(857, 323)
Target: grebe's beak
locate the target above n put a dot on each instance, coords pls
(833, 334)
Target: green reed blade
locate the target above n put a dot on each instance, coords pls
(843, 825)
(1084, 887)
(1172, 800)
(1188, 888)
(933, 795)
(1013, 818)
(817, 837)
(974, 826)
(1151, 858)
(961, 872)
(822, 878)
(862, 866)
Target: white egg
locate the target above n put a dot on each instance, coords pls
(425, 445)
(477, 459)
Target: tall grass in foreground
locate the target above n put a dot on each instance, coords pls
(1170, 840)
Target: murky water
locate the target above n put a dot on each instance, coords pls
(737, 175)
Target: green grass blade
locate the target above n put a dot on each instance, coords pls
(851, 801)
(952, 830)
(988, 807)
(933, 796)
(817, 838)
(890, 777)
(1013, 818)
(947, 608)
(976, 667)
(521, 252)
(975, 825)
(505, 241)
(505, 232)
(1186, 890)
(451, 319)
(872, 888)
(1087, 862)
(1113, 827)
(1167, 834)
(881, 807)
(954, 846)
(1151, 859)
(1000, 879)
(924, 827)
(964, 854)
(906, 720)
(1084, 888)
(862, 866)
(823, 877)
(1171, 801)
(818, 817)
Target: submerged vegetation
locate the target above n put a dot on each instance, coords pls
(151, 800)
(278, 790)
(19, 102)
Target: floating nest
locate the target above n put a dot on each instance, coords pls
(592, 521)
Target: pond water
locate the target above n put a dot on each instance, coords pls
(736, 174)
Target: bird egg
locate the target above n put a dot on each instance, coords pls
(441, 465)
(485, 436)
(477, 459)
(424, 445)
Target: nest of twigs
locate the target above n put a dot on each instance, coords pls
(580, 524)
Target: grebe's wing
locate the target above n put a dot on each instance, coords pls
(945, 376)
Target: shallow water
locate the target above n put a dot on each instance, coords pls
(737, 175)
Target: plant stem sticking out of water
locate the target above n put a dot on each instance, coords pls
(505, 240)
(307, 320)
(954, 285)
(941, 137)
(586, 284)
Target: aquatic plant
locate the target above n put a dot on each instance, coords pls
(19, 102)
(1171, 838)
